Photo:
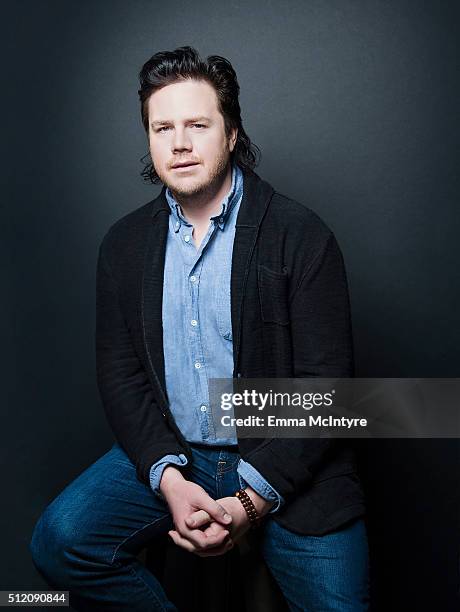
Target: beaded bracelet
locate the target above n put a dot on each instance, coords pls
(251, 511)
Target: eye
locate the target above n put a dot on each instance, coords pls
(198, 125)
(163, 129)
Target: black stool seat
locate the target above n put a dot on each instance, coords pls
(238, 581)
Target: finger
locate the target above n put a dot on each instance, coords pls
(180, 541)
(214, 528)
(202, 540)
(198, 519)
(214, 552)
(215, 510)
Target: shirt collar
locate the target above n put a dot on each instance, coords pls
(233, 196)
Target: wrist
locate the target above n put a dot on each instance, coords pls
(261, 504)
(241, 514)
(169, 478)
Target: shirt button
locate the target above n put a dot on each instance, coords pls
(177, 224)
(221, 220)
(192, 279)
(203, 408)
(187, 238)
(194, 322)
(197, 365)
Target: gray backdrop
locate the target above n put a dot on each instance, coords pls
(354, 105)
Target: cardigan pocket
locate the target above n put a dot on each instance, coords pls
(273, 295)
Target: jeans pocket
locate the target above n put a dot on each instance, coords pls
(230, 464)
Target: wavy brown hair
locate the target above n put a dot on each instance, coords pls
(167, 67)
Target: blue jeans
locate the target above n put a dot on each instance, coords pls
(88, 538)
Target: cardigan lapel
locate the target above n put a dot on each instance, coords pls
(152, 289)
(256, 198)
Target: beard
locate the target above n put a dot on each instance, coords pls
(199, 187)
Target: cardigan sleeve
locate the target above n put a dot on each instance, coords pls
(125, 389)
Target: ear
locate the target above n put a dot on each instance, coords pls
(232, 139)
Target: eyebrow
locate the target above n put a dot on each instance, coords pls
(191, 120)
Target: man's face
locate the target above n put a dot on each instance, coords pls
(188, 144)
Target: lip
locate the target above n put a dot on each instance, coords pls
(185, 166)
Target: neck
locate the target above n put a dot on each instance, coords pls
(199, 207)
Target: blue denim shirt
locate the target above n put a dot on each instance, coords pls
(197, 329)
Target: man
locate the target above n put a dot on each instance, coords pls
(218, 277)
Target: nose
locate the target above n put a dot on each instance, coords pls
(181, 141)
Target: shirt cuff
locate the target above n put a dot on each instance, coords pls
(157, 469)
(248, 475)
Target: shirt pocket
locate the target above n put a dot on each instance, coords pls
(273, 295)
(223, 313)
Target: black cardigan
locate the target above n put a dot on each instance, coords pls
(290, 318)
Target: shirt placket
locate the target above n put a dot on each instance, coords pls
(194, 269)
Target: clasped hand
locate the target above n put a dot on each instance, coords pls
(202, 525)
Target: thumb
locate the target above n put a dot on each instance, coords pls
(216, 511)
